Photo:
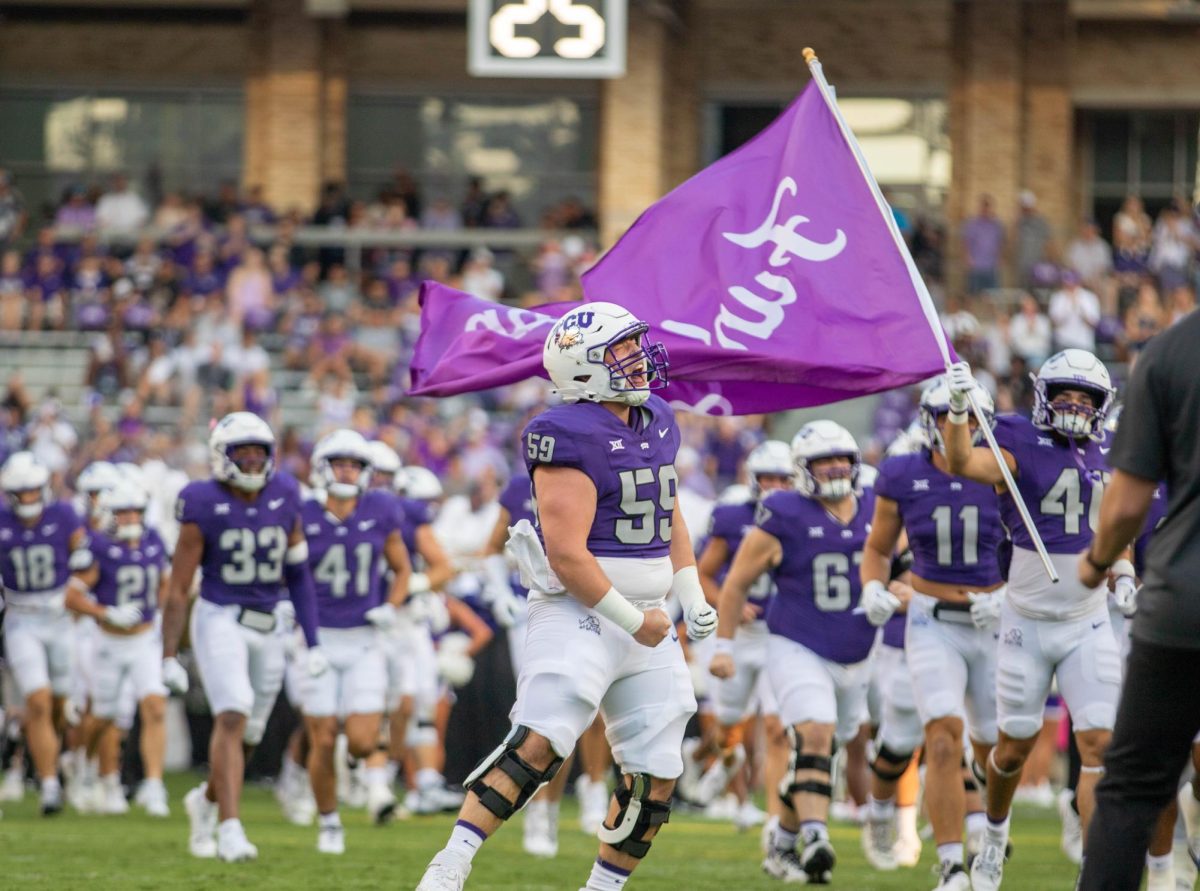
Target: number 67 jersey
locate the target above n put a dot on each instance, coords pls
(632, 466)
(244, 541)
(817, 578)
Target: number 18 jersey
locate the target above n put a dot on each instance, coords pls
(817, 580)
(632, 466)
(244, 541)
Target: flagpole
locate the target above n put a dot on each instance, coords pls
(931, 316)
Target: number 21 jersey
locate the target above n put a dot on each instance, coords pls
(244, 541)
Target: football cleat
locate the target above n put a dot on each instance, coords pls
(818, 861)
(444, 874)
(785, 866)
(987, 869)
(232, 844)
(952, 877)
(879, 843)
(1189, 809)
(1072, 830)
(381, 803)
(152, 797)
(52, 801)
(331, 840)
(202, 823)
(540, 835)
(593, 803)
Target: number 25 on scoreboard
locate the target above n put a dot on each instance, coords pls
(546, 38)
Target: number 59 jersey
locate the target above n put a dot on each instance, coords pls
(817, 579)
(244, 541)
(632, 466)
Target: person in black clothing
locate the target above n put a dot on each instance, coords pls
(1159, 712)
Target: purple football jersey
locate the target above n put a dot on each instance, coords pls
(244, 541)
(128, 574)
(517, 499)
(1158, 513)
(1063, 501)
(953, 524)
(730, 522)
(347, 558)
(414, 514)
(817, 580)
(35, 559)
(632, 466)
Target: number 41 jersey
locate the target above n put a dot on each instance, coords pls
(632, 466)
(817, 579)
(244, 541)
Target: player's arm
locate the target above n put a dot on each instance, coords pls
(566, 500)
(886, 529)
(79, 587)
(438, 568)
(1123, 509)
(973, 462)
(298, 576)
(712, 558)
(396, 555)
(759, 552)
(467, 620)
(189, 550)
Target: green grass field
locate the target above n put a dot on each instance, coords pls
(137, 852)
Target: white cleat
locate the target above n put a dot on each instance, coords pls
(818, 860)
(687, 782)
(13, 787)
(1185, 868)
(907, 850)
(748, 816)
(785, 866)
(879, 844)
(712, 783)
(381, 803)
(331, 840)
(202, 823)
(234, 847)
(1161, 879)
(952, 877)
(593, 804)
(540, 834)
(152, 797)
(767, 836)
(113, 801)
(1072, 830)
(86, 796)
(987, 870)
(723, 807)
(444, 874)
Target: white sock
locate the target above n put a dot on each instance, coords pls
(998, 832)
(951, 851)
(1160, 863)
(51, 786)
(813, 830)
(880, 811)
(552, 812)
(976, 823)
(606, 877)
(152, 782)
(377, 776)
(393, 771)
(906, 820)
(535, 807)
(465, 841)
(330, 820)
(784, 840)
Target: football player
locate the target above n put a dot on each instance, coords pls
(353, 536)
(121, 590)
(810, 538)
(954, 532)
(243, 529)
(40, 542)
(614, 545)
(1046, 630)
(740, 687)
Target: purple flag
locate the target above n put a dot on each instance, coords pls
(771, 277)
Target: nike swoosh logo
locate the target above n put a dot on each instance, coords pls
(662, 433)
(274, 503)
(1096, 625)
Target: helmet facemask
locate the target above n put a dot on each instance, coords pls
(648, 362)
(249, 481)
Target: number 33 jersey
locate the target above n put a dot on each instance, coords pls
(244, 541)
(632, 466)
(817, 579)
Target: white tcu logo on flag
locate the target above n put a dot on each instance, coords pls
(788, 244)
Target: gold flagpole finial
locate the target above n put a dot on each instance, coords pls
(809, 54)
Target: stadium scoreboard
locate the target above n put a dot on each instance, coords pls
(546, 38)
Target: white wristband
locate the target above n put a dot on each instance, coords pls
(685, 585)
(614, 607)
(957, 417)
(418, 583)
(723, 646)
(1123, 568)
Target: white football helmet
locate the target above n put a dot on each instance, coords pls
(773, 458)
(735, 494)
(237, 429)
(935, 402)
(908, 441)
(420, 483)
(1072, 370)
(133, 473)
(342, 444)
(385, 463)
(825, 439)
(22, 473)
(576, 356)
(1114, 419)
(96, 477)
(124, 496)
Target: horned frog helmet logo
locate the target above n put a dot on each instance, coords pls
(567, 338)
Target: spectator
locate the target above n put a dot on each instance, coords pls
(143, 264)
(76, 212)
(250, 290)
(47, 294)
(376, 319)
(1173, 244)
(121, 209)
(225, 205)
(1090, 256)
(1032, 238)
(404, 186)
(500, 213)
(481, 278)
(338, 291)
(12, 211)
(234, 243)
(1029, 333)
(441, 216)
(12, 292)
(51, 437)
(573, 215)
(171, 212)
(1131, 238)
(983, 241)
(474, 203)
(1144, 318)
(255, 208)
(1182, 302)
(1075, 312)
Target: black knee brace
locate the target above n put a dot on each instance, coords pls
(638, 814)
(889, 765)
(527, 777)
